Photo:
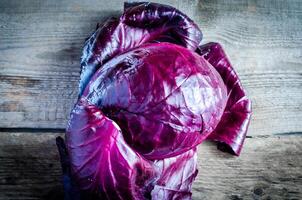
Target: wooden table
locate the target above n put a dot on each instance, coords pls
(40, 47)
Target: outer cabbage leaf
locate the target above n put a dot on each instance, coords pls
(165, 98)
(139, 24)
(177, 176)
(232, 128)
(101, 161)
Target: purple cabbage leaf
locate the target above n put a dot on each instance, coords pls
(146, 22)
(233, 125)
(101, 161)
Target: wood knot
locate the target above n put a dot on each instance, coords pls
(258, 191)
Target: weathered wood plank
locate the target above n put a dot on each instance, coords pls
(268, 168)
(41, 41)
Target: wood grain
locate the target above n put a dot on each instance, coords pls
(41, 41)
(268, 168)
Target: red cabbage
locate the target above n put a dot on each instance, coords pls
(149, 94)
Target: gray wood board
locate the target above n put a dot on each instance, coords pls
(268, 168)
(41, 41)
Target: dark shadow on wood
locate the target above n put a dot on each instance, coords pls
(34, 171)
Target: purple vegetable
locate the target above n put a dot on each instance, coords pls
(149, 94)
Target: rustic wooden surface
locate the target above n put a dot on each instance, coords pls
(40, 47)
(269, 168)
